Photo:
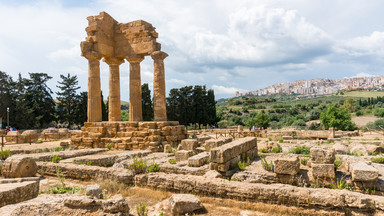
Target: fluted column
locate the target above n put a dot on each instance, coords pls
(135, 108)
(159, 103)
(114, 103)
(94, 88)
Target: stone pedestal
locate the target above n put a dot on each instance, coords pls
(135, 108)
(94, 88)
(159, 103)
(114, 105)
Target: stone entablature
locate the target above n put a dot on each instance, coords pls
(129, 135)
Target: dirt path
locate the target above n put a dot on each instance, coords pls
(361, 121)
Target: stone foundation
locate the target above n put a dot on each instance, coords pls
(129, 135)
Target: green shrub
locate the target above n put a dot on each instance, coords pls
(56, 159)
(141, 209)
(267, 166)
(154, 167)
(281, 140)
(300, 150)
(264, 150)
(359, 113)
(39, 141)
(337, 163)
(4, 154)
(277, 149)
(243, 164)
(138, 165)
(378, 160)
(304, 161)
(89, 163)
(109, 146)
(172, 161)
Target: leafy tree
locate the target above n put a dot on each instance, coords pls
(80, 109)
(146, 102)
(5, 95)
(104, 109)
(338, 118)
(261, 119)
(376, 125)
(67, 98)
(41, 102)
(349, 104)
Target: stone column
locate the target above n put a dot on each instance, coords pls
(114, 103)
(135, 108)
(159, 103)
(94, 88)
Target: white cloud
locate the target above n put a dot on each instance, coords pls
(222, 90)
(177, 81)
(364, 45)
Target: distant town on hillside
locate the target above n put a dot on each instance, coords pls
(319, 87)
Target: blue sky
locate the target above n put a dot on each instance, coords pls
(227, 45)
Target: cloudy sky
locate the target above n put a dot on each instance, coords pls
(227, 45)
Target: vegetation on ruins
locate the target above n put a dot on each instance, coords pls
(139, 165)
(378, 160)
(141, 209)
(109, 146)
(192, 105)
(55, 159)
(154, 167)
(62, 188)
(172, 161)
(300, 150)
(304, 161)
(4, 154)
(243, 164)
(267, 166)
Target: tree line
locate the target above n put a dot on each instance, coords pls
(192, 105)
(31, 104)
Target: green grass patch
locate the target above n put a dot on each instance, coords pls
(378, 160)
(304, 150)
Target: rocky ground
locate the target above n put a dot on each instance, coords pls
(111, 169)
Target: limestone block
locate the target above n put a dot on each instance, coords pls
(157, 143)
(251, 154)
(183, 155)
(340, 148)
(228, 151)
(64, 143)
(322, 155)
(93, 191)
(359, 149)
(154, 138)
(198, 160)
(182, 204)
(224, 167)
(210, 144)
(189, 144)
(30, 136)
(374, 149)
(289, 165)
(167, 148)
(154, 132)
(363, 172)
(212, 174)
(18, 167)
(323, 171)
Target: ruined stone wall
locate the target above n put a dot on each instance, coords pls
(129, 135)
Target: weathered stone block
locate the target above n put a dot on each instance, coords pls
(167, 147)
(182, 204)
(93, 191)
(18, 167)
(322, 155)
(198, 160)
(323, 171)
(224, 167)
(183, 155)
(289, 165)
(210, 144)
(189, 144)
(363, 172)
(228, 151)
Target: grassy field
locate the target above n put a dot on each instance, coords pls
(364, 94)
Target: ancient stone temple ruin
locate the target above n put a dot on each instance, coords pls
(116, 42)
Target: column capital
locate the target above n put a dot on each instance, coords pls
(134, 59)
(159, 55)
(92, 55)
(113, 61)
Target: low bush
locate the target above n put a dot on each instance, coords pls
(300, 150)
(243, 164)
(56, 159)
(172, 161)
(277, 149)
(154, 167)
(304, 161)
(267, 166)
(139, 165)
(378, 160)
(4, 154)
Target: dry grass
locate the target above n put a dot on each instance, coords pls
(217, 206)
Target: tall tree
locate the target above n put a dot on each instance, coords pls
(80, 110)
(5, 95)
(340, 119)
(104, 109)
(39, 95)
(211, 108)
(146, 102)
(67, 98)
(22, 109)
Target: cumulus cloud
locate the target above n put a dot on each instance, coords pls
(177, 81)
(222, 90)
(364, 45)
(260, 36)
